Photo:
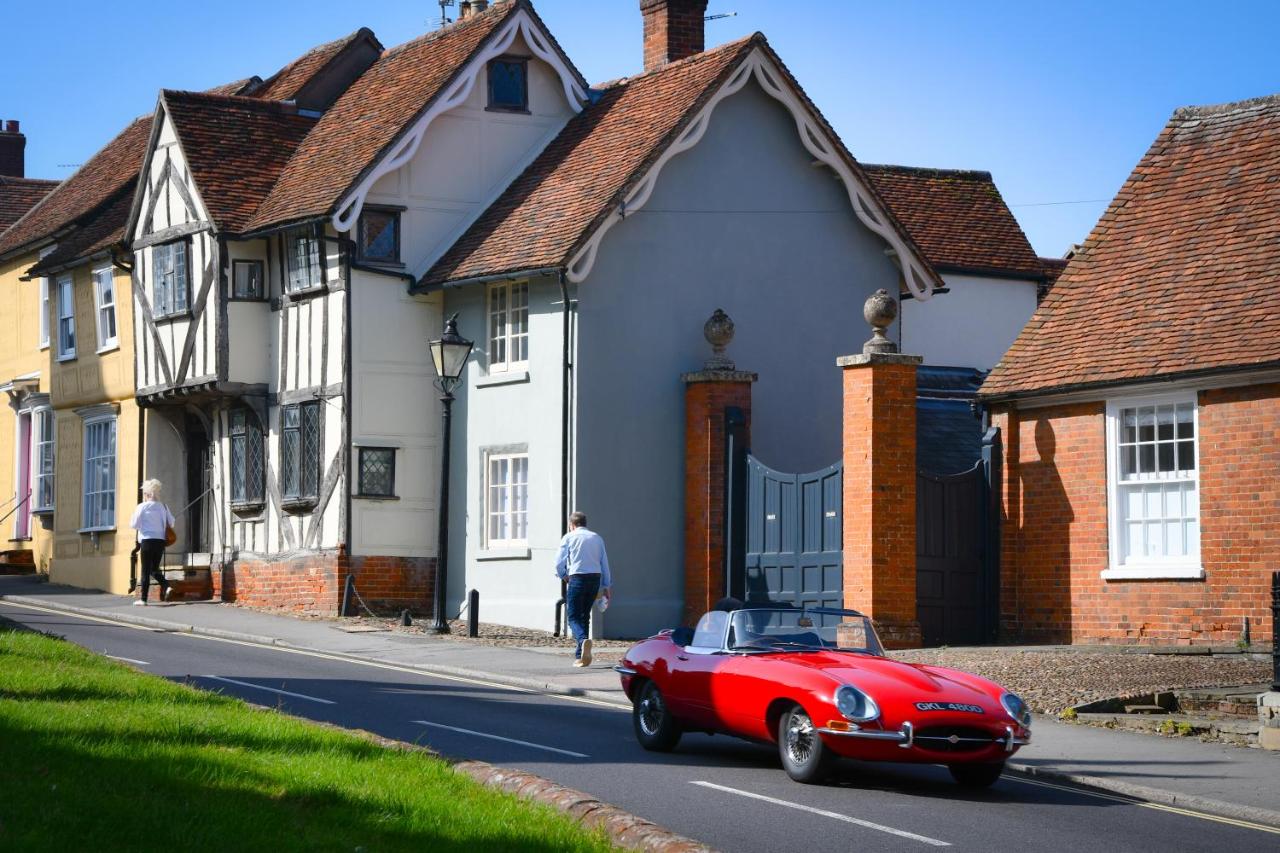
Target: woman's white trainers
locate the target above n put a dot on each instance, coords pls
(138, 602)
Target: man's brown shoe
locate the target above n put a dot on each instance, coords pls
(586, 653)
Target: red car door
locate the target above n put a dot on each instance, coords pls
(692, 671)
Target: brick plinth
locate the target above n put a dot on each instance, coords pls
(1055, 535)
(313, 582)
(707, 398)
(880, 493)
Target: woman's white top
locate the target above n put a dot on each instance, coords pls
(150, 520)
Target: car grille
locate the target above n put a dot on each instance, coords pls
(954, 739)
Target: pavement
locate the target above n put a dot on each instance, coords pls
(1218, 779)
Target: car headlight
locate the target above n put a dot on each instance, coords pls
(856, 705)
(1017, 709)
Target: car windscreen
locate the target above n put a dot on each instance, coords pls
(787, 629)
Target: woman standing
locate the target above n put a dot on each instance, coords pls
(152, 520)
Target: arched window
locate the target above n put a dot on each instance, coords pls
(246, 458)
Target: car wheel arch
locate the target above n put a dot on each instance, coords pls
(773, 714)
(635, 685)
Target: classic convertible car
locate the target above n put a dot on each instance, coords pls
(816, 682)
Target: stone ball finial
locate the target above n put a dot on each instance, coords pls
(718, 330)
(880, 310)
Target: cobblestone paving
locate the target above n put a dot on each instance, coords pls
(1053, 680)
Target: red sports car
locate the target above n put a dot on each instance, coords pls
(815, 681)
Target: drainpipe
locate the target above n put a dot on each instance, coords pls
(566, 368)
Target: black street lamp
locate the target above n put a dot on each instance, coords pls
(449, 355)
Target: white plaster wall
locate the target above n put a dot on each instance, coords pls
(518, 586)
(252, 350)
(467, 157)
(972, 325)
(395, 405)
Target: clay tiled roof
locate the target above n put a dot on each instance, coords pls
(235, 147)
(97, 232)
(94, 183)
(541, 219)
(958, 219)
(1181, 273)
(371, 115)
(18, 195)
(246, 86)
(286, 83)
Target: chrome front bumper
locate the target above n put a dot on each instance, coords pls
(906, 737)
(624, 670)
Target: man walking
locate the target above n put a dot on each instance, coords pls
(583, 562)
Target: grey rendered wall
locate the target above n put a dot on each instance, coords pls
(507, 413)
(743, 221)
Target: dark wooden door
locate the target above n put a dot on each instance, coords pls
(950, 558)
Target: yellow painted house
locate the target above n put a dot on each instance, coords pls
(24, 376)
(68, 280)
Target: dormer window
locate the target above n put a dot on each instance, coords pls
(509, 84)
(379, 239)
(171, 278)
(302, 248)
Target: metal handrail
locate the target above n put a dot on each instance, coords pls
(16, 508)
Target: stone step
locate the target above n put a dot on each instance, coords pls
(1145, 709)
(1221, 702)
(1242, 732)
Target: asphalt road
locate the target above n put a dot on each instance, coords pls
(728, 793)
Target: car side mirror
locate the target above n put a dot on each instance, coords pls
(682, 636)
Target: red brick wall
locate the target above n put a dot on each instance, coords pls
(1055, 529)
(879, 500)
(705, 403)
(313, 582)
(673, 30)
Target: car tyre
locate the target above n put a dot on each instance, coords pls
(976, 775)
(656, 729)
(804, 756)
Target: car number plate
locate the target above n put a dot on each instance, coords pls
(949, 706)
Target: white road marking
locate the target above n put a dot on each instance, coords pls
(581, 700)
(901, 833)
(127, 660)
(80, 616)
(567, 752)
(1230, 821)
(271, 689)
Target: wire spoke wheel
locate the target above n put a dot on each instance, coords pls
(656, 729)
(804, 756)
(651, 712)
(800, 737)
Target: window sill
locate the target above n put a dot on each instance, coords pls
(43, 346)
(108, 348)
(67, 357)
(42, 510)
(169, 318)
(108, 529)
(498, 108)
(247, 507)
(510, 377)
(303, 295)
(377, 497)
(298, 505)
(1154, 572)
(383, 264)
(513, 553)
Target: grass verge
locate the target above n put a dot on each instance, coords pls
(94, 755)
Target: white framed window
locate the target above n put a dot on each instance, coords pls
(44, 313)
(104, 294)
(302, 250)
(1153, 488)
(99, 484)
(42, 447)
(508, 326)
(506, 509)
(66, 318)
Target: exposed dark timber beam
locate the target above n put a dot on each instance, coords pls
(165, 235)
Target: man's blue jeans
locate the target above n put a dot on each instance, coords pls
(578, 598)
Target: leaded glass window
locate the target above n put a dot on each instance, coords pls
(247, 466)
(300, 450)
(379, 236)
(170, 278)
(509, 84)
(377, 471)
(302, 248)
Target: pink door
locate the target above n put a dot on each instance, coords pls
(22, 480)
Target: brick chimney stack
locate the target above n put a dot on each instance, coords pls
(673, 30)
(13, 147)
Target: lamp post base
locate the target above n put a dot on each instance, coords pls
(439, 628)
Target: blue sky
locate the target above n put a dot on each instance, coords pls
(1057, 100)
